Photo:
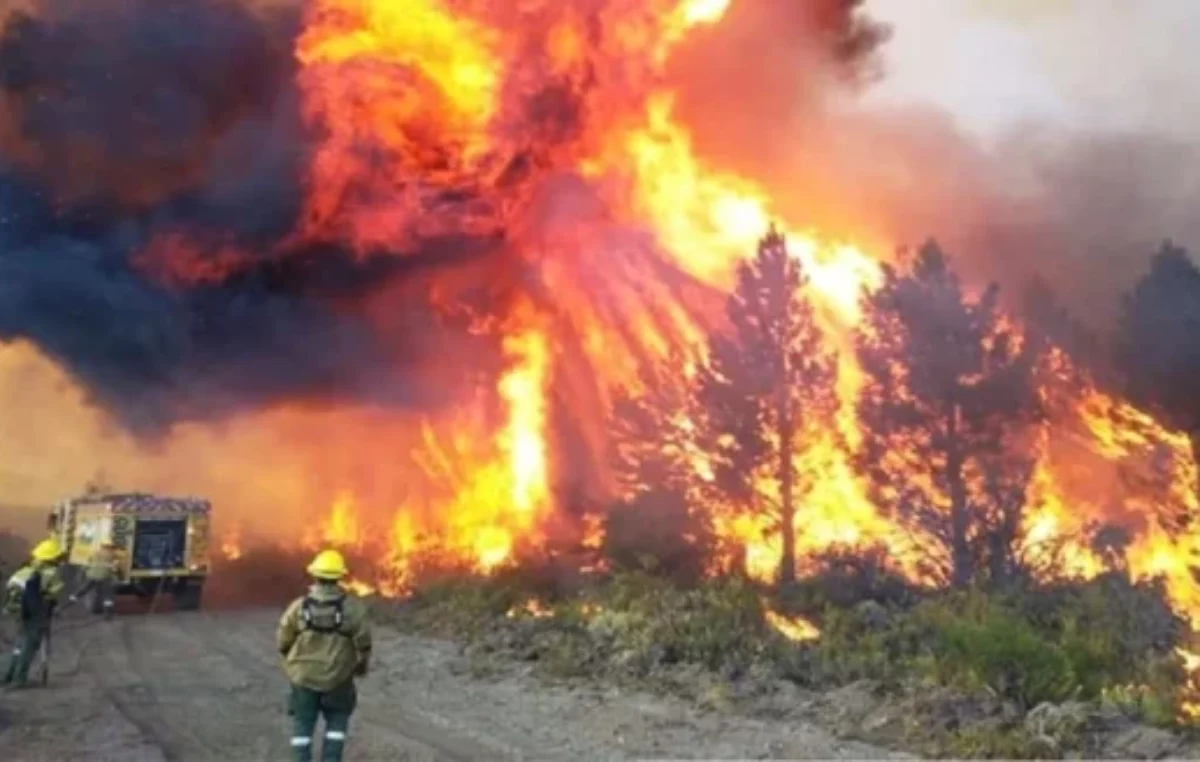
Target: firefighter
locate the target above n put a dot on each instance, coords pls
(30, 597)
(101, 570)
(325, 640)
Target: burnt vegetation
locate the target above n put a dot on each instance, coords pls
(985, 644)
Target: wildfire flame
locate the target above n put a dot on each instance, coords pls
(626, 237)
(431, 87)
(231, 543)
(795, 628)
(358, 587)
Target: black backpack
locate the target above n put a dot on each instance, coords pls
(325, 617)
(33, 602)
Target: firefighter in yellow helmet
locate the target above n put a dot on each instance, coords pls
(30, 597)
(325, 640)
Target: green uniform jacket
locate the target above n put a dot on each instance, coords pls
(322, 661)
(102, 566)
(52, 585)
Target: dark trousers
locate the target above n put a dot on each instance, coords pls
(306, 706)
(29, 639)
(102, 589)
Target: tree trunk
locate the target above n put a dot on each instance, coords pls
(787, 486)
(961, 566)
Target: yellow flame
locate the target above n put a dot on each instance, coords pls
(524, 389)
(795, 628)
(694, 12)
(358, 587)
(457, 55)
(341, 528)
(711, 220)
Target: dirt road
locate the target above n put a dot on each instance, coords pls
(206, 686)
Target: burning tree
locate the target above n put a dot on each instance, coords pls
(1160, 341)
(767, 389)
(948, 410)
(655, 522)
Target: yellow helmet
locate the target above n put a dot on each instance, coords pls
(47, 550)
(328, 564)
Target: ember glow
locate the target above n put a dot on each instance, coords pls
(547, 226)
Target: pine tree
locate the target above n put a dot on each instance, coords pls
(768, 389)
(947, 409)
(1159, 345)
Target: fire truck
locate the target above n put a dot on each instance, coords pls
(161, 543)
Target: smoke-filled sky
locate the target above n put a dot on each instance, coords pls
(185, 128)
(143, 139)
(1094, 64)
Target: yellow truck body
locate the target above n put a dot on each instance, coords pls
(161, 543)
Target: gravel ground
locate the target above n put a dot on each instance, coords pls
(173, 686)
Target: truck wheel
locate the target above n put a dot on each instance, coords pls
(187, 597)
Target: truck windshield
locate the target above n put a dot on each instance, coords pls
(159, 543)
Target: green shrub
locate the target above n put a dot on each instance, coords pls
(1133, 618)
(718, 625)
(1005, 654)
(1008, 643)
(460, 607)
(1020, 647)
(1157, 698)
(853, 647)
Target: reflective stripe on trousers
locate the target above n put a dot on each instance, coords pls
(301, 741)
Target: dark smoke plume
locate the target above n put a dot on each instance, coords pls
(128, 125)
(152, 173)
(153, 166)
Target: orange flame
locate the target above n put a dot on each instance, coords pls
(412, 102)
(231, 544)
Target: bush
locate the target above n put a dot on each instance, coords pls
(1132, 618)
(719, 626)
(651, 621)
(460, 607)
(998, 650)
(845, 578)
(857, 644)
(1009, 651)
(1012, 644)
